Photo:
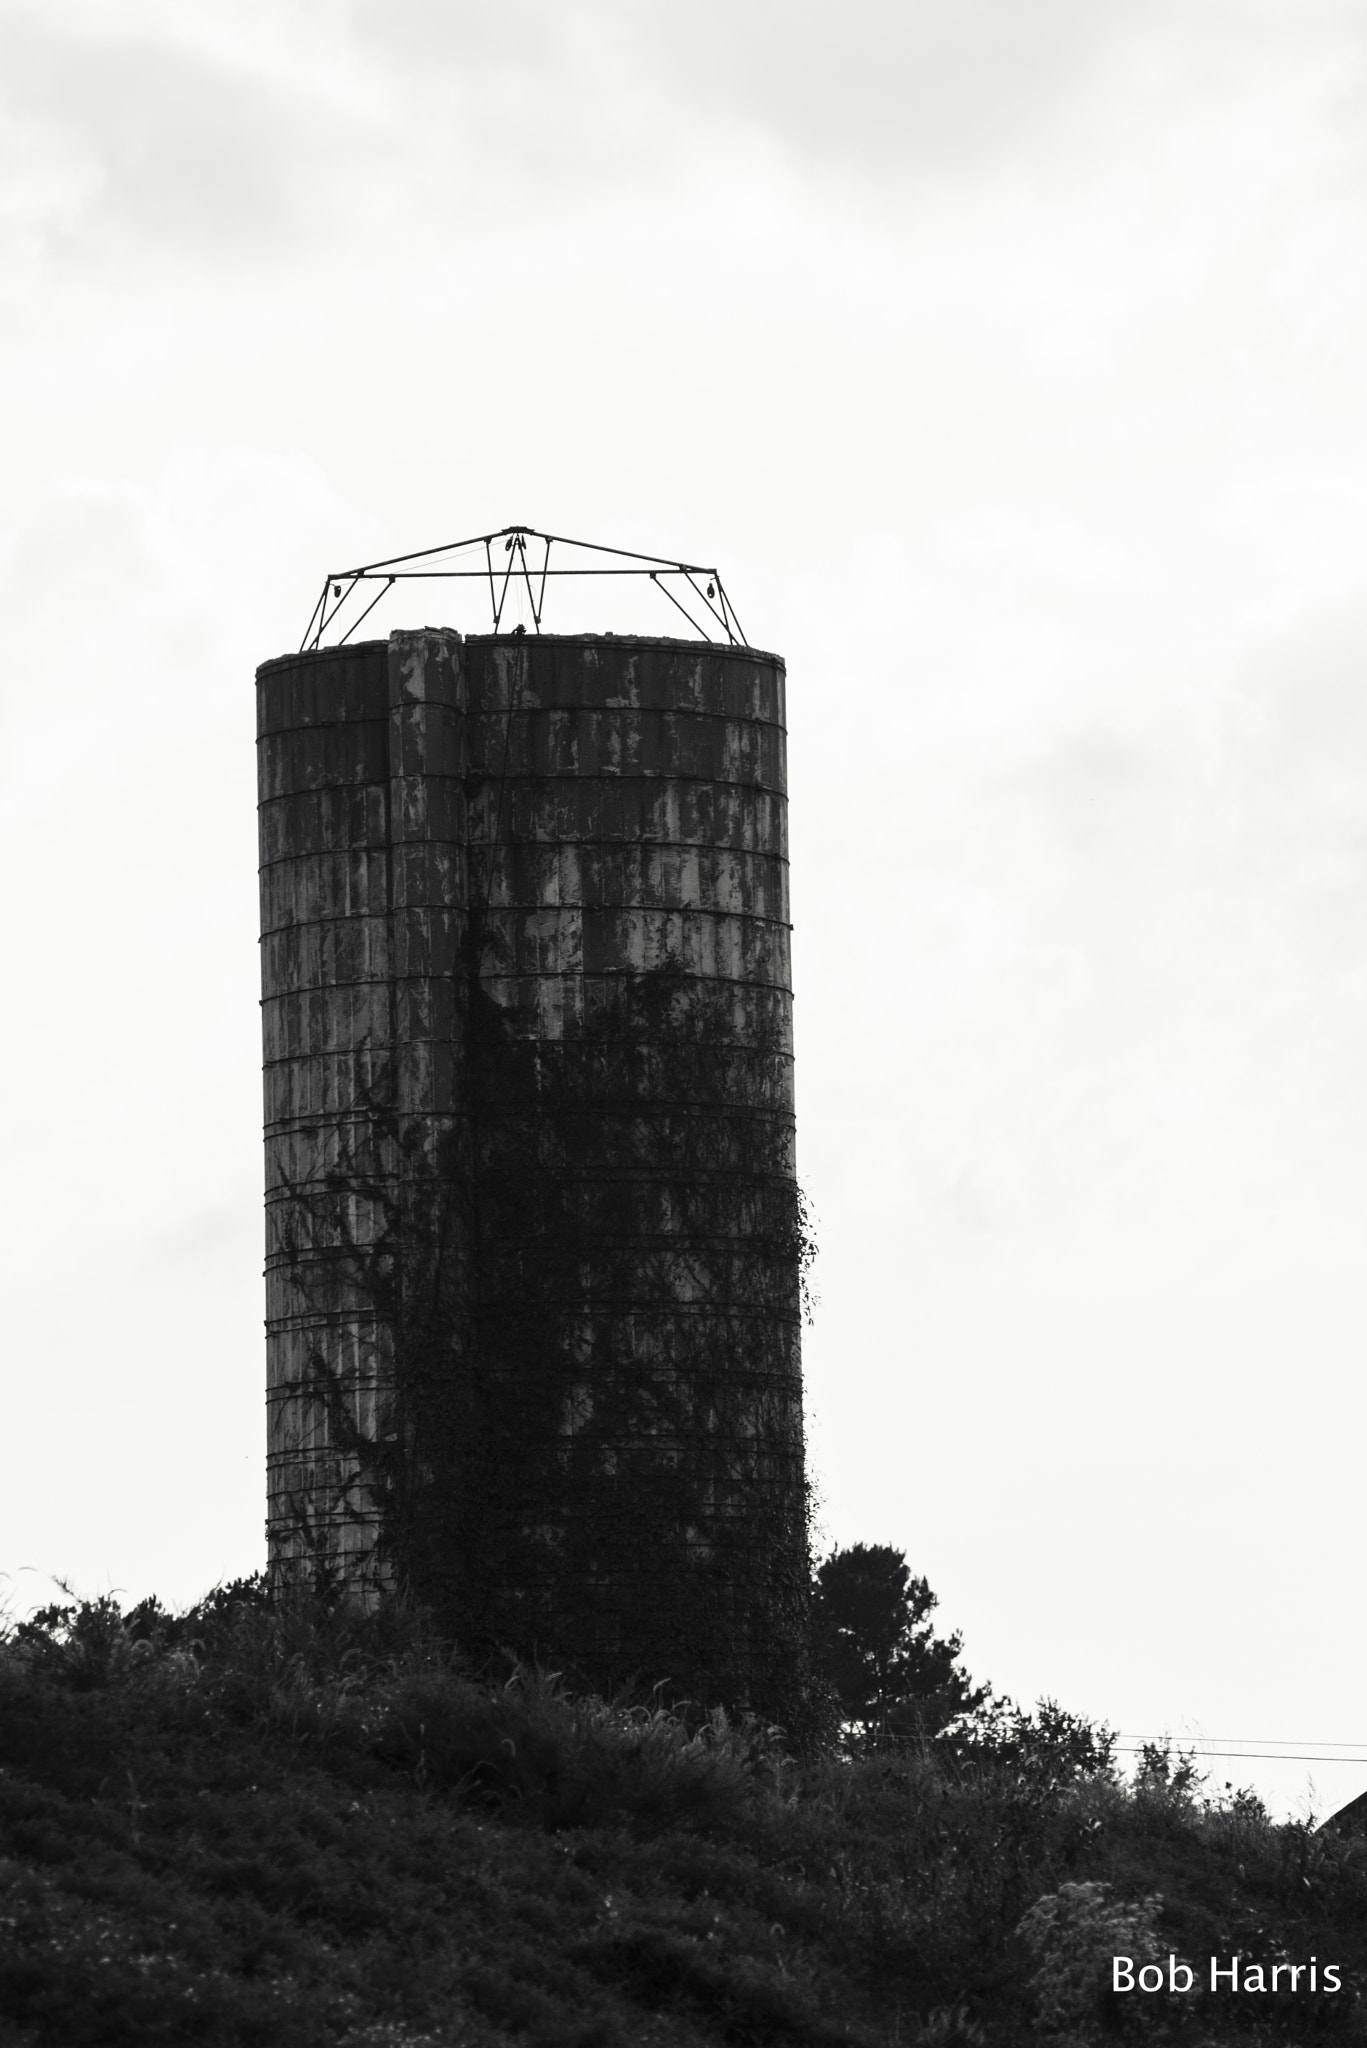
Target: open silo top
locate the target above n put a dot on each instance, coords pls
(675, 642)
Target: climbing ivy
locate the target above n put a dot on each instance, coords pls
(586, 1294)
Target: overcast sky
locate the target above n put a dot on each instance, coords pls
(1008, 356)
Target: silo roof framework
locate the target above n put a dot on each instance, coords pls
(509, 568)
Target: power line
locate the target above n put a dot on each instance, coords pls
(1308, 1741)
(1285, 1756)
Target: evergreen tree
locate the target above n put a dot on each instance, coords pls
(894, 1678)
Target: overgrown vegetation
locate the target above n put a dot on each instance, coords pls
(580, 1309)
(285, 1822)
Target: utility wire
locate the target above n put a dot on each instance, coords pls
(1307, 1741)
(1245, 1756)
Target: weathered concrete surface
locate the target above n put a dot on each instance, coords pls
(362, 836)
(527, 1014)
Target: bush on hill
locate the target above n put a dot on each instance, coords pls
(281, 1822)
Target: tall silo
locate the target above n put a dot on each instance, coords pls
(533, 1270)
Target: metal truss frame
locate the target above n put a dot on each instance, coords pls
(517, 572)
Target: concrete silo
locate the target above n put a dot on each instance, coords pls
(534, 1236)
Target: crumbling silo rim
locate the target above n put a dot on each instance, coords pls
(348, 650)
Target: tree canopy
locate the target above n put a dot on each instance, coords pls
(894, 1678)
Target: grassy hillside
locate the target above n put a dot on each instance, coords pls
(293, 1827)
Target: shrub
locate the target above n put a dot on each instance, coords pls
(1044, 1751)
(1072, 1934)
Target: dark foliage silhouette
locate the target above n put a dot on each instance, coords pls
(286, 1822)
(894, 1678)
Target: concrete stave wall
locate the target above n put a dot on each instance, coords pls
(546, 830)
(362, 872)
